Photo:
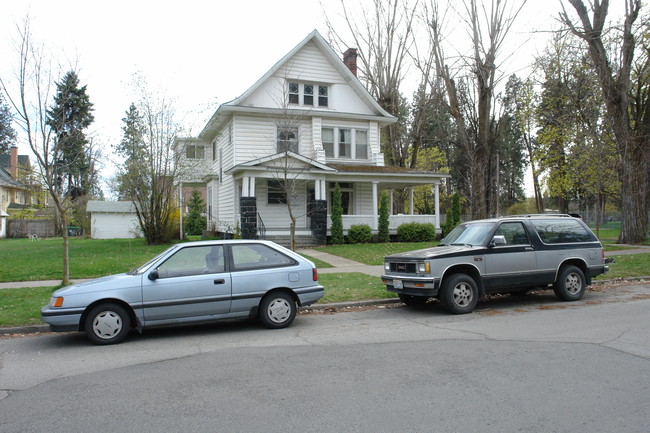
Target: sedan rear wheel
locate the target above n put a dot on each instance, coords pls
(107, 324)
(277, 310)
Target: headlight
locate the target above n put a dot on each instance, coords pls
(56, 301)
(387, 266)
(424, 268)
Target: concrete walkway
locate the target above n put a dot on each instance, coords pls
(341, 264)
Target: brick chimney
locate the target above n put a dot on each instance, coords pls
(13, 162)
(350, 60)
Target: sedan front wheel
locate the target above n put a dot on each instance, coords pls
(107, 324)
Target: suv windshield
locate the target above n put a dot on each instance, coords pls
(469, 234)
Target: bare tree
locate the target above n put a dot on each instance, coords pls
(633, 139)
(152, 163)
(383, 37)
(29, 99)
(476, 119)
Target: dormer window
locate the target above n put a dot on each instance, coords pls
(304, 94)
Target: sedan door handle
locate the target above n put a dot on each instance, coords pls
(220, 281)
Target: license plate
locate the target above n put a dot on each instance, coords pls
(398, 284)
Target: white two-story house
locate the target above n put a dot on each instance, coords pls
(304, 126)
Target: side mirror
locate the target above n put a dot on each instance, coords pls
(498, 240)
(154, 275)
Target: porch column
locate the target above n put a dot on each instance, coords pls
(411, 212)
(318, 212)
(437, 201)
(248, 186)
(374, 206)
(248, 208)
(391, 202)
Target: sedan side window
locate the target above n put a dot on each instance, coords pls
(193, 261)
(257, 256)
(514, 233)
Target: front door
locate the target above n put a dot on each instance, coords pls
(192, 284)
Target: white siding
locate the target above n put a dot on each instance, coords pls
(363, 198)
(310, 65)
(276, 216)
(114, 226)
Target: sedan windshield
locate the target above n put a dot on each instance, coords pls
(141, 269)
(470, 234)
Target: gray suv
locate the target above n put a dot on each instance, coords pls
(509, 254)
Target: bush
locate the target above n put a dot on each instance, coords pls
(416, 232)
(359, 234)
(384, 233)
(336, 229)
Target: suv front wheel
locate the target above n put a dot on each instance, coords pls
(459, 294)
(570, 284)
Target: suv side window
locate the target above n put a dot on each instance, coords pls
(514, 233)
(560, 231)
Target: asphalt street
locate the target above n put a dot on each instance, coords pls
(534, 365)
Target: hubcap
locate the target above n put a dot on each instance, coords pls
(573, 283)
(107, 325)
(462, 294)
(279, 310)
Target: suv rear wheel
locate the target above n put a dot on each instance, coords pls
(570, 284)
(459, 294)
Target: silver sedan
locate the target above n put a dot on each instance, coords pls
(192, 282)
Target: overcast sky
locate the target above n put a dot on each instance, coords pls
(198, 52)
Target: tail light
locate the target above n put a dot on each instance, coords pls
(314, 273)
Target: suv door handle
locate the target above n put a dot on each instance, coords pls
(219, 281)
(530, 249)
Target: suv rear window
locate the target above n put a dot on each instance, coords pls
(561, 231)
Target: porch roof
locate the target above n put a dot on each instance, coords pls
(396, 175)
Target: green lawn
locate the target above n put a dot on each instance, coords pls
(23, 260)
(373, 254)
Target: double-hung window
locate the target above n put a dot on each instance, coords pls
(345, 143)
(194, 152)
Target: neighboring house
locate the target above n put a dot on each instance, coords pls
(112, 219)
(12, 191)
(308, 117)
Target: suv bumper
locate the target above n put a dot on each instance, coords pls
(415, 286)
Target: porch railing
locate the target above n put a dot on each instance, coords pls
(261, 228)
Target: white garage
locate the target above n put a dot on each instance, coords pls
(113, 219)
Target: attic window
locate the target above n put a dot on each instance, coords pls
(294, 93)
(308, 96)
(322, 96)
(305, 94)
